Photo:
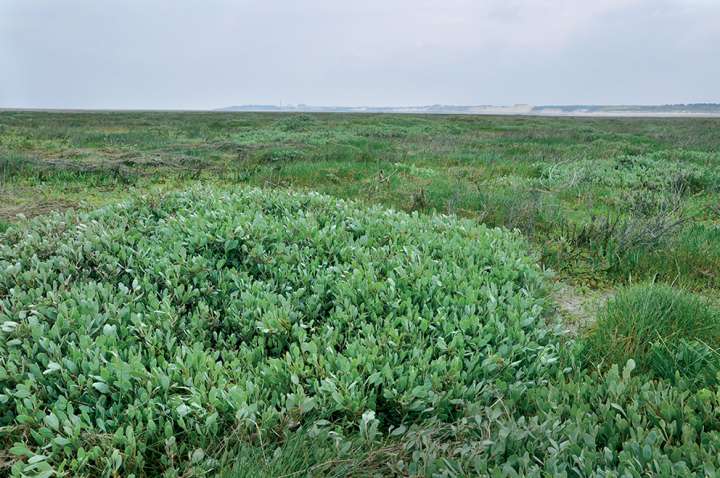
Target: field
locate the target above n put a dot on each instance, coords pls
(184, 294)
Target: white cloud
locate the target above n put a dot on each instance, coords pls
(172, 53)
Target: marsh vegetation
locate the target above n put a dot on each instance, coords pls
(196, 293)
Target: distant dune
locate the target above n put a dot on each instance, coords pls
(677, 110)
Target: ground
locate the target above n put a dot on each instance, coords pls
(621, 214)
(604, 201)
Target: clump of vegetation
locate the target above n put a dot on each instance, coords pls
(615, 242)
(653, 172)
(12, 165)
(532, 212)
(663, 329)
(135, 337)
(383, 131)
(614, 423)
(697, 252)
(296, 122)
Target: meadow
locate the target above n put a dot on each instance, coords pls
(191, 294)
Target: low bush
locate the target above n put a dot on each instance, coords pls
(616, 241)
(663, 329)
(145, 337)
(697, 252)
(690, 258)
(695, 360)
(614, 423)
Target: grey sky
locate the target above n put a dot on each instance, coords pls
(214, 53)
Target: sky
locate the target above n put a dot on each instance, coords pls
(182, 54)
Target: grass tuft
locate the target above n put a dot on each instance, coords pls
(663, 329)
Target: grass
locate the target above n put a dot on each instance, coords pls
(565, 183)
(654, 325)
(327, 457)
(478, 383)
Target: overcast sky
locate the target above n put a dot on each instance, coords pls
(214, 53)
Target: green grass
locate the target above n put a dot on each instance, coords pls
(663, 329)
(546, 177)
(250, 332)
(269, 332)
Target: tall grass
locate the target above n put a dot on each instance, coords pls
(12, 165)
(663, 329)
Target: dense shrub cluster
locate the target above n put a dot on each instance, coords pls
(140, 337)
(611, 424)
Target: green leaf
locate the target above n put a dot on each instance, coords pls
(52, 367)
(19, 449)
(52, 421)
(101, 387)
(629, 367)
(197, 456)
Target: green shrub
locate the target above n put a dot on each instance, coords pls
(663, 329)
(614, 423)
(143, 337)
(383, 131)
(690, 257)
(609, 424)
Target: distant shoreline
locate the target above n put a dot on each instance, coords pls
(599, 111)
(658, 111)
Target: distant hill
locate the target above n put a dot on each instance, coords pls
(694, 109)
